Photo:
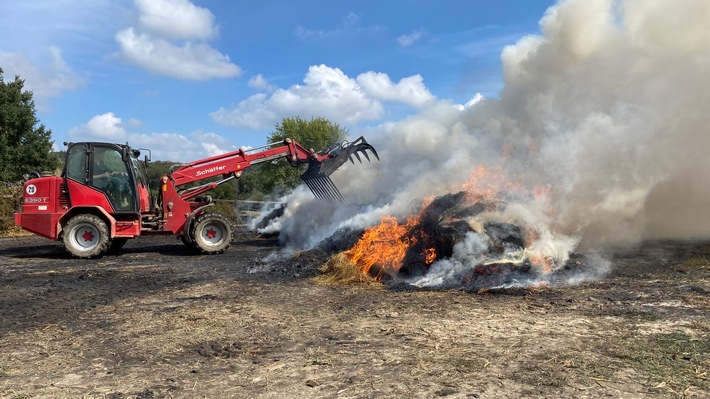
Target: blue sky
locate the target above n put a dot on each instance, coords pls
(190, 79)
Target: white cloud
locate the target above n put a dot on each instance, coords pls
(100, 128)
(470, 103)
(304, 32)
(410, 38)
(331, 90)
(329, 93)
(475, 100)
(409, 90)
(176, 19)
(51, 80)
(350, 24)
(180, 148)
(191, 61)
(259, 82)
(212, 143)
(252, 113)
(352, 19)
(152, 45)
(134, 122)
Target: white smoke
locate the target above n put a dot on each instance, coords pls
(608, 109)
(470, 251)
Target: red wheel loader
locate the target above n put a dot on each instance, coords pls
(102, 197)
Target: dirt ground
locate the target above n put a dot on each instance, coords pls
(156, 321)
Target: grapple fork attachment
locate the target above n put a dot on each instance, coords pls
(317, 176)
(324, 188)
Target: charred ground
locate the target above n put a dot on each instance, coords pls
(156, 321)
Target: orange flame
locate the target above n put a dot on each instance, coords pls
(429, 255)
(508, 149)
(545, 263)
(480, 184)
(491, 184)
(385, 244)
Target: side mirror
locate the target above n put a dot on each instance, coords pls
(148, 156)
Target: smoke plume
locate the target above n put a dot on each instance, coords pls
(604, 117)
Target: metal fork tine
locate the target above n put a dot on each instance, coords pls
(324, 183)
(310, 188)
(313, 188)
(336, 192)
(323, 190)
(364, 152)
(371, 148)
(357, 156)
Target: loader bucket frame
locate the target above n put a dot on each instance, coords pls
(317, 176)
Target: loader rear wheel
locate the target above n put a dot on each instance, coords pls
(86, 236)
(212, 233)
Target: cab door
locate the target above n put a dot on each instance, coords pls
(110, 174)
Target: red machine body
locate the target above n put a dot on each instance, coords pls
(102, 197)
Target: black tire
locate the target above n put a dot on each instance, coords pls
(190, 244)
(86, 236)
(116, 244)
(212, 233)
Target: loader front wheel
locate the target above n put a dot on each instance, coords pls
(212, 233)
(86, 236)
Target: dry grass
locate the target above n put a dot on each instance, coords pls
(14, 232)
(153, 323)
(340, 270)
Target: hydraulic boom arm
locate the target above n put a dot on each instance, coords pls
(232, 164)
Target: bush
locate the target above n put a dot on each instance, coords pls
(228, 209)
(10, 197)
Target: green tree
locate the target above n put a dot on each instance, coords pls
(61, 156)
(155, 170)
(24, 146)
(279, 176)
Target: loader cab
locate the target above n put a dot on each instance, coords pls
(111, 172)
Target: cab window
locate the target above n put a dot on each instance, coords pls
(110, 174)
(76, 163)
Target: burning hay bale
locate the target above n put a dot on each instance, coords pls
(455, 242)
(342, 240)
(340, 270)
(261, 224)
